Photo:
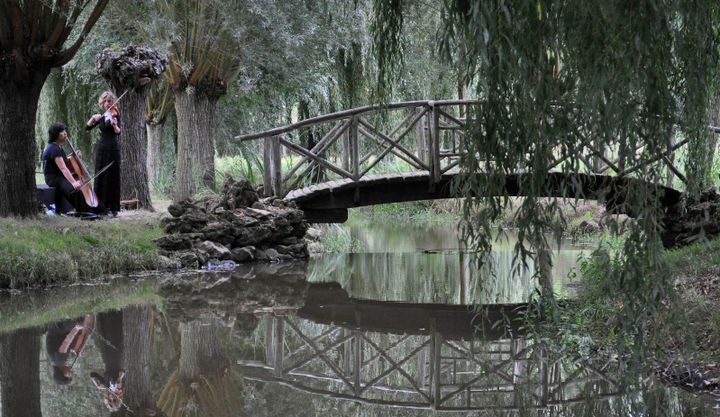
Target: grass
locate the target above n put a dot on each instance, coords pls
(695, 260)
(48, 250)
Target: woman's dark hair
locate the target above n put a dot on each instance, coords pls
(55, 130)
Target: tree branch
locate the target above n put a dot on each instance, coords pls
(60, 26)
(66, 55)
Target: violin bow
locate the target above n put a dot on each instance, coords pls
(87, 181)
(119, 98)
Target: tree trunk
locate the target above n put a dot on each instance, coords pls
(133, 149)
(196, 144)
(200, 352)
(18, 155)
(154, 135)
(20, 373)
(136, 351)
(712, 138)
(543, 269)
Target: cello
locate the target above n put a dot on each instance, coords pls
(80, 173)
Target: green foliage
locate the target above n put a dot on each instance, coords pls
(51, 250)
(552, 80)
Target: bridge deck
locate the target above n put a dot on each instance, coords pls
(329, 201)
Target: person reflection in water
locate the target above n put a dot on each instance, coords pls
(65, 342)
(110, 342)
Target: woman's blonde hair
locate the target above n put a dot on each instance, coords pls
(104, 95)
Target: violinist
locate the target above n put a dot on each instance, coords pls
(55, 168)
(107, 186)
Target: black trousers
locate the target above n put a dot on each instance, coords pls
(107, 184)
(66, 190)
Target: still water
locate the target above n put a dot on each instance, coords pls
(389, 330)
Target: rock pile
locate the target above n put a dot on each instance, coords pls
(695, 218)
(235, 226)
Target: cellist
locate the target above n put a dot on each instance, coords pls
(56, 171)
(107, 186)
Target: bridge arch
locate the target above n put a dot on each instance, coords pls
(426, 142)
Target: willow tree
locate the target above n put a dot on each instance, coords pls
(553, 79)
(158, 108)
(204, 58)
(130, 71)
(33, 35)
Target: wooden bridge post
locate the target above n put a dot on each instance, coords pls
(435, 144)
(346, 150)
(272, 167)
(420, 136)
(277, 166)
(355, 156)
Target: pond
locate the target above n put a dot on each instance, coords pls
(393, 329)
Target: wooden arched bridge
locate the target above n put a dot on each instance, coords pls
(361, 159)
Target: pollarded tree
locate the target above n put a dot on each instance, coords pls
(204, 57)
(130, 71)
(158, 107)
(33, 35)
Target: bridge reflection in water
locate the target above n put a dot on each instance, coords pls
(435, 357)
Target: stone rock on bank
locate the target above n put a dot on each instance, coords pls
(236, 225)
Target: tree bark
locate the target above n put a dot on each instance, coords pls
(196, 116)
(200, 351)
(20, 373)
(18, 154)
(131, 71)
(154, 135)
(136, 351)
(133, 151)
(712, 137)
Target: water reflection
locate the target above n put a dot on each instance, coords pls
(430, 264)
(421, 357)
(264, 341)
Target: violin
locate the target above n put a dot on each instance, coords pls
(80, 173)
(112, 112)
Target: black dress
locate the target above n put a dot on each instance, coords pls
(107, 184)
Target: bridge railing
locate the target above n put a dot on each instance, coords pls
(427, 138)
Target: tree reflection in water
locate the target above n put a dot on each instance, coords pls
(268, 343)
(203, 383)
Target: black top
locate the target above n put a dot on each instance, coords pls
(50, 168)
(108, 137)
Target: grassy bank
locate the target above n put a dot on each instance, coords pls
(57, 249)
(680, 336)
